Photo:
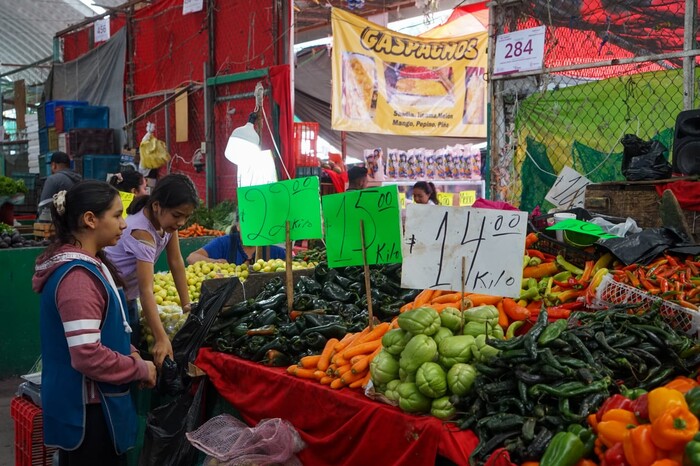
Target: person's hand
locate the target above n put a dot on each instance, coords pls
(187, 308)
(152, 374)
(220, 261)
(161, 349)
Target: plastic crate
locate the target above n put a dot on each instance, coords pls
(96, 167)
(305, 141)
(31, 198)
(29, 436)
(50, 110)
(548, 244)
(680, 318)
(85, 141)
(44, 140)
(70, 117)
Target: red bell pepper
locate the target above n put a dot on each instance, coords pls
(640, 406)
(615, 456)
(616, 401)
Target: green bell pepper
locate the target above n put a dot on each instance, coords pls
(692, 397)
(565, 449)
(692, 451)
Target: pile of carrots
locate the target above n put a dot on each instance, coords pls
(198, 230)
(509, 310)
(344, 363)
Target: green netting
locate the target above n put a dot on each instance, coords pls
(536, 170)
(596, 165)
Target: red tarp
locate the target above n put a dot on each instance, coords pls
(339, 427)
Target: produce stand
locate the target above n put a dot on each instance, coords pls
(341, 427)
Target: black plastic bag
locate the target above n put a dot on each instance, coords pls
(643, 247)
(644, 160)
(169, 379)
(165, 443)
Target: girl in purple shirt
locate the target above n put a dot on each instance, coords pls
(152, 227)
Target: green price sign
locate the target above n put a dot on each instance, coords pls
(265, 209)
(580, 226)
(378, 209)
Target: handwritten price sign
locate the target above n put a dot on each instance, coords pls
(265, 209)
(378, 209)
(402, 200)
(467, 198)
(127, 199)
(569, 190)
(445, 198)
(436, 238)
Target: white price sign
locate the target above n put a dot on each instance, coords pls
(519, 51)
(192, 6)
(436, 238)
(102, 32)
(569, 190)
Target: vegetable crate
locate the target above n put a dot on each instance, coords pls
(680, 318)
(29, 436)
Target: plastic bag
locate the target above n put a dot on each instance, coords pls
(164, 440)
(152, 150)
(643, 247)
(644, 160)
(230, 442)
(617, 229)
(169, 379)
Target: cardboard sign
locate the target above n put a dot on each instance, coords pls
(192, 6)
(436, 238)
(265, 209)
(127, 198)
(519, 51)
(445, 198)
(378, 208)
(467, 198)
(569, 190)
(579, 226)
(102, 32)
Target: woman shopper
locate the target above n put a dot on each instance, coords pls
(424, 192)
(130, 181)
(151, 228)
(87, 361)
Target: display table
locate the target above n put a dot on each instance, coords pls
(339, 427)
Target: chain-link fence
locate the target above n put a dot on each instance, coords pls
(611, 68)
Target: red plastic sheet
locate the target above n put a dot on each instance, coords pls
(687, 193)
(339, 427)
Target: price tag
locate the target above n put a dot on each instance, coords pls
(519, 51)
(569, 190)
(378, 208)
(127, 198)
(445, 198)
(402, 200)
(192, 6)
(436, 238)
(264, 210)
(467, 198)
(580, 226)
(102, 32)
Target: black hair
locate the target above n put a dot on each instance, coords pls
(356, 173)
(130, 179)
(60, 158)
(170, 191)
(85, 196)
(428, 188)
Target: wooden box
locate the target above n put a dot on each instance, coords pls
(43, 230)
(639, 201)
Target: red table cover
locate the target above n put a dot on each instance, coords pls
(339, 427)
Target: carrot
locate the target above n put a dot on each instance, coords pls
(338, 360)
(343, 369)
(406, 307)
(363, 363)
(363, 348)
(545, 269)
(305, 373)
(447, 298)
(325, 359)
(502, 316)
(514, 310)
(395, 323)
(530, 239)
(308, 362)
(423, 297)
(358, 383)
(366, 380)
(291, 369)
(326, 380)
(337, 384)
(481, 299)
(349, 377)
(440, 307)
(376, 333)
(318, 375)
(355, 359)
(347, 339)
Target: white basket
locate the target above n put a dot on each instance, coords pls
(680, 318)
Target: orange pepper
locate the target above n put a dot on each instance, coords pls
(638, 446)
(612, 432)
(673, 428)
(622, 415)
(682, 384)
(662, 398)
(666, 462)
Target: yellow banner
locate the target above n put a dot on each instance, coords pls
(391, 83)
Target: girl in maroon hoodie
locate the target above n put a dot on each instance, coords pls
(86, 355)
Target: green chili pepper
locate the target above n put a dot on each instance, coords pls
(568, 266)
(692, 451)
(531, 294)
(552, 332)
(565, 449)
(513, 327)
(692, 397)
(562, 276)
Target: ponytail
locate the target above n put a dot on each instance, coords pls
(432, 192)
(170, 191)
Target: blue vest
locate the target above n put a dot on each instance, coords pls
(63, 388)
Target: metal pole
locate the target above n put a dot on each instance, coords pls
(167, 124)
(130, 87)
(492, 138)
(689, 62)
(209, 104)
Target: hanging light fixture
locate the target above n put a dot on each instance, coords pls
(243, 142)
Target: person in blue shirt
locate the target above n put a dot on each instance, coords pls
(230, 249)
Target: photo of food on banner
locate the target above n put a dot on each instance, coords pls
(418, 85)
(359, 86)
(474, 96)
(375, 164)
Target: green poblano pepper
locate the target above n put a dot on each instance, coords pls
(441, 408)
(484, 314)
(692, 451)
(394, 341)
(431, 380)
(460, 378)
(421, 348)
(391, 390)
(412, 400)
(451, 318)
(455, 349)
(422, 320)
(384, 368)
(441, 334)
(565, 449)
(692, 397)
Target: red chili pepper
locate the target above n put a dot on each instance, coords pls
(573, 305)
(643, 280)
(535, 253)
(630, 267)
(616, 401)
(565, 285)
(671, 260)
(558, 312)
(663, 284)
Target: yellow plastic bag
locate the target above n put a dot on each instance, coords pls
(153, 153)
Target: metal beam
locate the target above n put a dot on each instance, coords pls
(92, 19)
(689, 62)
(237, 77)
(24, 67)
(157, 107)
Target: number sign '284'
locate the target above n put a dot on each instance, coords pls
(492, 242)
